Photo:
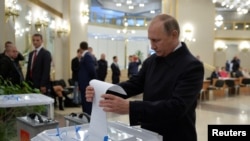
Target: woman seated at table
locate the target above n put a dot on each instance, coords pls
(223, 73)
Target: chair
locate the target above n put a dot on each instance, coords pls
(232, 88)
(71, 82)
(218, 85)
(245, 82)
(203, 91)
(68, 102)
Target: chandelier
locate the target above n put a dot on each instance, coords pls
(41, 21)
(241, 6)
(12, 9)
(125, 29)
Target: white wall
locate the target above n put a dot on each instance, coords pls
(199, 13)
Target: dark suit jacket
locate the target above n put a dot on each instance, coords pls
(170, 87)
(75, 68)
(102, 69)
(10, 70)
(41, 69)
(86, 72)
(115, 73)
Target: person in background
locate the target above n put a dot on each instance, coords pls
(90, 50)
(9, 70)
(116, 73)
(39, 64)
(239, 73)
(170, 81)
(86, 73)
(215, 74)
(102, 69)
(133, 66)
(235, 65)
(245, 73)
(19, 55)
(75, 62)
(229, 66)
(223, 73)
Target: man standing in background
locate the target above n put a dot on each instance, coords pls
(102, 68)
(86, 73)
(39, 63)
(9, 70)
(116, 73)
(75, 62)
(19, 55)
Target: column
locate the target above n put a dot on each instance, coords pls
(203, 27)
(71, 44)
(2, 22)
(169, 7)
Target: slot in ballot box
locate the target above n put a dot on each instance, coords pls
(116, 132)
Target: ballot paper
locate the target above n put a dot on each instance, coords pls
(98, 127)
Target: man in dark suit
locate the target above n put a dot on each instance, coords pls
(19, 55)
(170, 81)
(116, 73)
(9, 70)
(39, 62)
(102, 68)
(86, 73)
(75, 63)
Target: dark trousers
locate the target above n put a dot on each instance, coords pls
(115, 79)
(86, 106)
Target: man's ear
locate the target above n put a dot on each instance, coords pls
(175, 34)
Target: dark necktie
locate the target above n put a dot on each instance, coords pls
(33, 62)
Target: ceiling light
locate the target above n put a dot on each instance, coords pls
(242, 6)
(141, 5)
(131, 7)
(218, 20)
(118, 4)
(152, 11)
(129, 2)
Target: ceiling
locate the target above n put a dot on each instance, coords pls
(110, 9)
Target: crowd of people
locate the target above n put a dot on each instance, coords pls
(232, 69)
(39, 68)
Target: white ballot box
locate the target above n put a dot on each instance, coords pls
(22, 100)
(116, 132)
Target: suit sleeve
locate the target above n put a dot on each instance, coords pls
(20, 57)
(28, 67)
(4, 68)
(46, 68)
(90, 65)
(74, 65)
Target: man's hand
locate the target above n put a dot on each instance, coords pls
(89, 93)
(43, 90)
(115, 104)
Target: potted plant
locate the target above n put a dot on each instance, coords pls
(8, 115)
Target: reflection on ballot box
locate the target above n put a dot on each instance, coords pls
(116, 132)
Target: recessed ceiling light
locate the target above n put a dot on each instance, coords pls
(131, 7)
(141, 5)
(152, 11)
(118, 4)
